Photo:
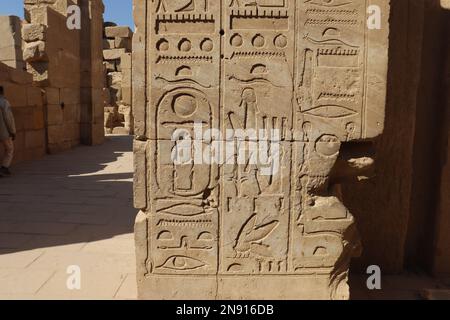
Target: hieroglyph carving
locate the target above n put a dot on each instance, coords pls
(309, 70)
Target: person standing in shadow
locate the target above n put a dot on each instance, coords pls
(7, 133)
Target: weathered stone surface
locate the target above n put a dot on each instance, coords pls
(246, 230)
(110, 66)
(35, 51)
(26, 102)
(125, 61)
(33, 32)
(114, 78)
(109, 44)
(11, 48)
(18, 76)
(118, 31)
(10, 27)
(123, 43)
(118, 64)
(396, 210)
(113, 54)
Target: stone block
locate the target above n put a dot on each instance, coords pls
(20, 77)
(22, 117)
(39, 70)
(124, 43)
(71, 113)
(127, 95)
(53, 95)
(110, 65)
(4, 73)
(36, 14)
(115, 94)
(16, 94)
(114, 78)
(108, 44)
(34, 96)
(10, 53)
(55, 115)
(118, 31)
(10, 27)
(113, 54)
(13, 63)
(34, 139)
(33, 32)
(70, 95)
(106, 96)
(38, 118)
(11, 47)
(121, 131)
(98, 133)
(125, 61)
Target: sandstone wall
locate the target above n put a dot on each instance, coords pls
(225, 230)
(26, 100)
(397, 210)
(55, 63)
(91, 64)
(67, 65)
(11, 48)
(117, 44)
(54, 76)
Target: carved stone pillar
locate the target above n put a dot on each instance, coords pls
(241, 111)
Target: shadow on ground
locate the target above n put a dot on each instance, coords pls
(79, 196)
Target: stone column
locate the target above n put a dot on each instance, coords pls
(91, 53)
(282, 85)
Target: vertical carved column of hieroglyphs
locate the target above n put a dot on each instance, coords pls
(183, 55)
(258, 96)
(340, 96)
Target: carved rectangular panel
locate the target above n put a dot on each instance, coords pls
(185, 90)
(248, 102)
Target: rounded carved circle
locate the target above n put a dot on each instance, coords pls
(328, 145)
(184, 105)
(350, 127)
(258, 41)
(207, 45)
(236, 40)
(184, 45)
(162, 45)
(280, 41)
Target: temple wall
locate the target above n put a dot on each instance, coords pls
(53, 76)
(402, 213)
(216, 230)
(25, 99)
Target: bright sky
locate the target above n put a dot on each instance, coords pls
(118, 11)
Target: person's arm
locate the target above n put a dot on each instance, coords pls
(9, 120)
